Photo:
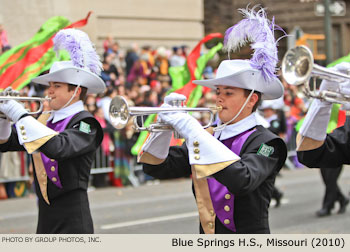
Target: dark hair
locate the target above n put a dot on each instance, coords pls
(82, 96)
(257, 104)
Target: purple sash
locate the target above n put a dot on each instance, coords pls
(51, 165)
(222, 199)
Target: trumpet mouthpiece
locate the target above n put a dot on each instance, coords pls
(216, 108)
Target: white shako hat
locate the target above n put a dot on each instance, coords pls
(258, 73)
(84, 67)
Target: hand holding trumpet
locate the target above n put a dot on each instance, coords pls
(313, 132)
(157, 143)
(11, 98)
(336, 86)
(9, 107)
(5, 125)
(120, 113)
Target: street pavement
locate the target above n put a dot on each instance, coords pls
(168, 207)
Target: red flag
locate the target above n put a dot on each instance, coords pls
(29, 60)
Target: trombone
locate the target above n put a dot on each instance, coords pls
(25, 99)
(298, 68)
(120, 113)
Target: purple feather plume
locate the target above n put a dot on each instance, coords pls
(80, 49)
(255, 28)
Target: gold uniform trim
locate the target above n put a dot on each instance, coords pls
(3, 141)
(38, 162)
(206, 170)
(210, 130)
(148, 158)
(42, 180)
(306, 143)
(205, 207)
(34, 145)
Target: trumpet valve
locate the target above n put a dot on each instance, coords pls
(178, 103)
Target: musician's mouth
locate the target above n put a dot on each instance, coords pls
(220, 106)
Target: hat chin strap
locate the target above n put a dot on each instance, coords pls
(223, 126)
(75, 92)
(65, 105)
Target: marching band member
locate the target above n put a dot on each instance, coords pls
(234, 164)
(316, 148)
(63, 142)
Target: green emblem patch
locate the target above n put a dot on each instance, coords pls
(84, 127)
(265, 150)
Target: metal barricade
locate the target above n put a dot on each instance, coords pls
(102, 162)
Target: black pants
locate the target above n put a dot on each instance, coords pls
(332, 193)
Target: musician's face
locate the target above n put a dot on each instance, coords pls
(232, 99)
(60, 95)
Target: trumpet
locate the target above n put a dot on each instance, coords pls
(298, 68)
(120, 113)
(25, 99)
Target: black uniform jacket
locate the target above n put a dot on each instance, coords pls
(333, 153)
(251, 179)
(74, 150)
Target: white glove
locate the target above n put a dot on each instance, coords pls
(344, 68)
(344, 89)
(5, 125)
(5, 129)
(203, 148)
(173, 98)
(158, 143)
(13, 110)
(317, 118)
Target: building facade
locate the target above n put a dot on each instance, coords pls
(294, 16)
(152, 22)
(170, 22)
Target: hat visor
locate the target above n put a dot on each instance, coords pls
(74, 76)
(272, 90)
